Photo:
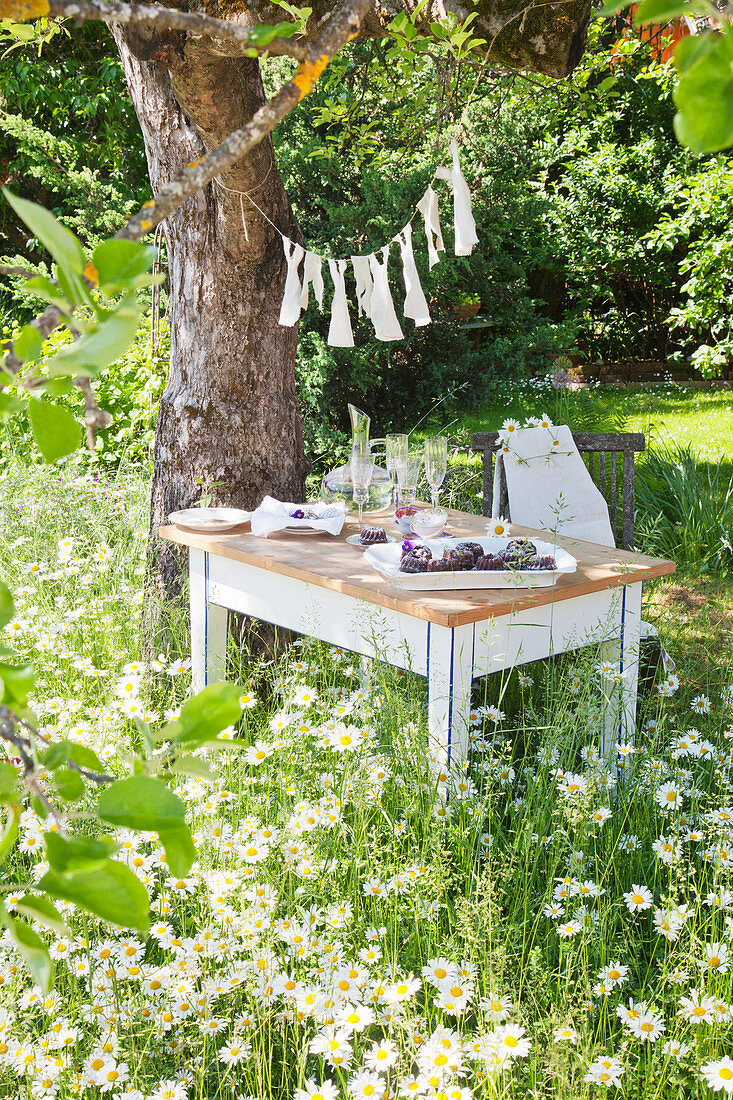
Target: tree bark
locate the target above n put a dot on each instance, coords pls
(229, 421)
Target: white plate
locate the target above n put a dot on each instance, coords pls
(386, 560)
(355, 540)
(210, 521)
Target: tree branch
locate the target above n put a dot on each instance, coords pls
(160, 18)
(343, 27)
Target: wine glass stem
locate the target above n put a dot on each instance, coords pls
(434, 497)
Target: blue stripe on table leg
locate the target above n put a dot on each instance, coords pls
(206, 619)
(450, 698)
(621, 660)
(427, 657)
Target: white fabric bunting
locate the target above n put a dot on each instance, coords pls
(340, 334)
(428, 207)
(384, 318)
(364, 284)
(465, 226)
(373, 295)
(290, 308)
(416, 307)
(312, 274)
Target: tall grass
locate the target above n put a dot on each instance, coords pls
(684, 507)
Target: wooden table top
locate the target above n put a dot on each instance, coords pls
(329, 562)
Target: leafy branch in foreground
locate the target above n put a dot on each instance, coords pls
(54, 777)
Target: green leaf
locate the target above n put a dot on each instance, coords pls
(191, 765)
(77, 853)
(28, 344)
(41, 287)
(180, 851)
(104, 346)
(141, 802)
(7, 607)
(119, 263)
(85, 758)
(15, 683)
(55, 755)
(42, 911)
(209, 712)
(111, 892)
(60, 241)
(69, 784)
(33, 950)
(704, 92)
(54, 429)
(9, 405)
(8, 777)
(10, 832)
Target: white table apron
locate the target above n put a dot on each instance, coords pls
(451, 658)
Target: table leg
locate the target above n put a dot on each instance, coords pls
(620, 723)
(450, 677)
(209, 624)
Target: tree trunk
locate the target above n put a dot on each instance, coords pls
(229, 420)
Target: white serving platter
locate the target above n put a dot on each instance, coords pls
(386, 560)
(211, 521)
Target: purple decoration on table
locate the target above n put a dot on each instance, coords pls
(297, 514)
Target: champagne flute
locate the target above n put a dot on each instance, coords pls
(436, 461)
(396, 460)
(362, 468)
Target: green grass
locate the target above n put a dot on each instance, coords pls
(667, 416)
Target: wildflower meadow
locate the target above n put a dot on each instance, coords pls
(552, 924)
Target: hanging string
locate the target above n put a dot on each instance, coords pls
(248, 195)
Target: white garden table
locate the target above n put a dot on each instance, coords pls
(318, 585)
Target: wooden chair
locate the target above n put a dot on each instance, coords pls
(609, 457)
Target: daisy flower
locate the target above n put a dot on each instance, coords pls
(605, 1071)
(498, 527)
(718, 1075)
(638, 899)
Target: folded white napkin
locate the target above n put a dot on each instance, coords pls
(549, 486)
(275, 515)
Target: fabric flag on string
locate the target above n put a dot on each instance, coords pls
(384, 318)
(340, 333)
(416, 307)
(364, 284)
(465, 226)
(290, 308)
(312, 274)
(428, 207)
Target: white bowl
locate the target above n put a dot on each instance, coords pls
(429, 523)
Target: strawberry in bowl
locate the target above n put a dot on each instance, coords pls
(403, 518)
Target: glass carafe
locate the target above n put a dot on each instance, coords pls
(337, 484)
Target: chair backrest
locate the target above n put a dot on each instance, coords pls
(602, 452)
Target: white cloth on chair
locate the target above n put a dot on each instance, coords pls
(549, 487)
